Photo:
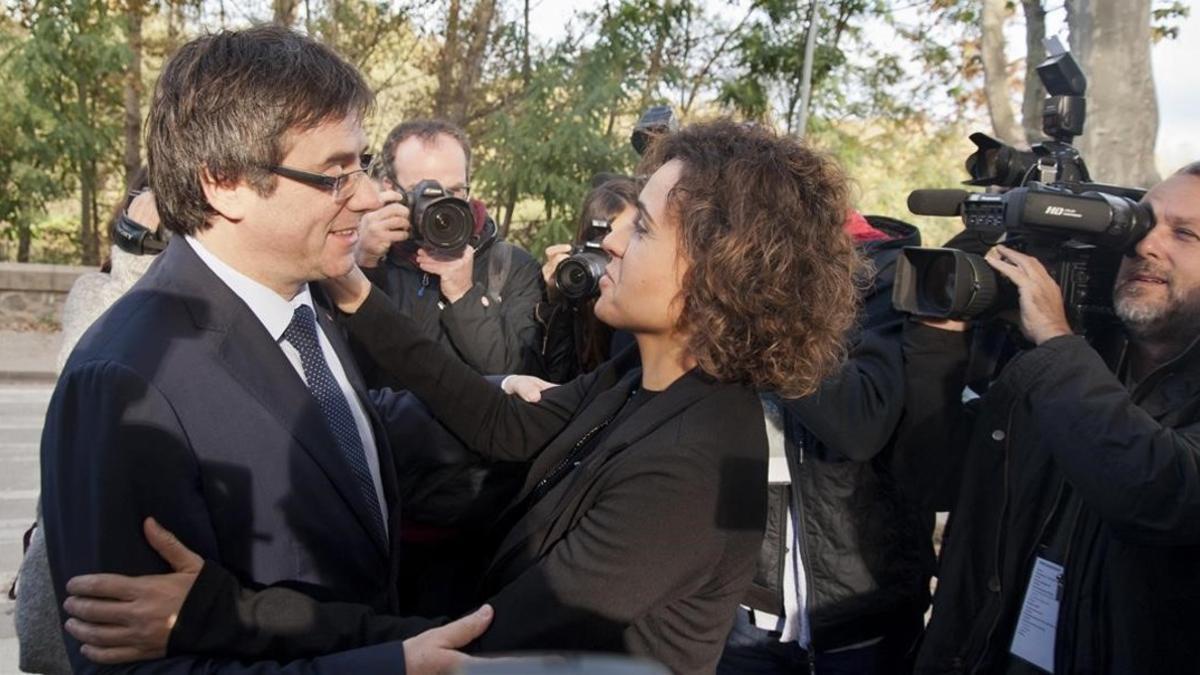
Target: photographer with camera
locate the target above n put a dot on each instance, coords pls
(571, 340)
(1075, 539)
(437, 254)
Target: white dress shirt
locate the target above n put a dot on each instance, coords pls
(275, 313)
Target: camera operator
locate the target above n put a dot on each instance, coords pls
(1075, 539)
(477, 301)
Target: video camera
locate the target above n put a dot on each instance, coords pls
(1041, 202)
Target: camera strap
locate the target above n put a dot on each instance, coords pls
(499, 265)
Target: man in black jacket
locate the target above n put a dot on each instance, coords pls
(1075, 540)
(843, 576)
(477, 303)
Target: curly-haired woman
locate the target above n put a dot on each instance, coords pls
(639, 525)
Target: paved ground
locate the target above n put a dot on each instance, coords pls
(26, 381)
(28, 356)
(22, 408)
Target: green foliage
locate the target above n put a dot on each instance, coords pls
(571, 123)
(25, 181)
(1165, 18)
(69, 69)
(887, 159)
(765, 83)
(544, 117)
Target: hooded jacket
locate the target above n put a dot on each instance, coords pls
(865, 547)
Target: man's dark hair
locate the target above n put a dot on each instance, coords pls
(1192, 169)
(427, 130)
(226, 103)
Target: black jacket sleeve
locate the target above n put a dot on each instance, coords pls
(486, 419)
(1141, 477)
(855, 412)
(494, 334)
(221, 617)
(113, 453)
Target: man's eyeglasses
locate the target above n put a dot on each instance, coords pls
(342, 186)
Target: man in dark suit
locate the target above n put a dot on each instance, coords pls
(215, 396)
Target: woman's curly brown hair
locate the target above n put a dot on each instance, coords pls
(771, 290)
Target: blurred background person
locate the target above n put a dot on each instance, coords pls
(570, 339)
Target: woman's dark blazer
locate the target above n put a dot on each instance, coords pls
(647, 546)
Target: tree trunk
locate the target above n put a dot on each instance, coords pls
(810, 42)
(24, 238)
(653, 69)
(995, 74)
(446, 60)
(526, 65)
(1111, 41)
(510, 205)
(480, 29)
(133, 90)
(332, 22)
(87, 227)
(284, 12)
(1035, 53)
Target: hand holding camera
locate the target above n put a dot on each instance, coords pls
(428, 214)
(554, 255)
(455, 270)
(1043, 315)
(383, 227)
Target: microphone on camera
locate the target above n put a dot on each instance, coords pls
(937, 202)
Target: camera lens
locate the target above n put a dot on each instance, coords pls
(447, 225)
(937, 284)
(578, 277)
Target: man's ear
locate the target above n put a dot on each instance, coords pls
(228, 199)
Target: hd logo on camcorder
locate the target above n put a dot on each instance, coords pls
(1062, 211)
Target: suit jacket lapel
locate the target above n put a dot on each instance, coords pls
(259, 365)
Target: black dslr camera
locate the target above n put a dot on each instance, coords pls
(440, 221)
(578, 277)
(1043, 204)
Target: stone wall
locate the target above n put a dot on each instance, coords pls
(32, 295)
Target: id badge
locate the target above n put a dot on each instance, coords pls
(1033, 641)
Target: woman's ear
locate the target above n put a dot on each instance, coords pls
(228, 199)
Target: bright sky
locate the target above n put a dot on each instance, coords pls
(1174, 76)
